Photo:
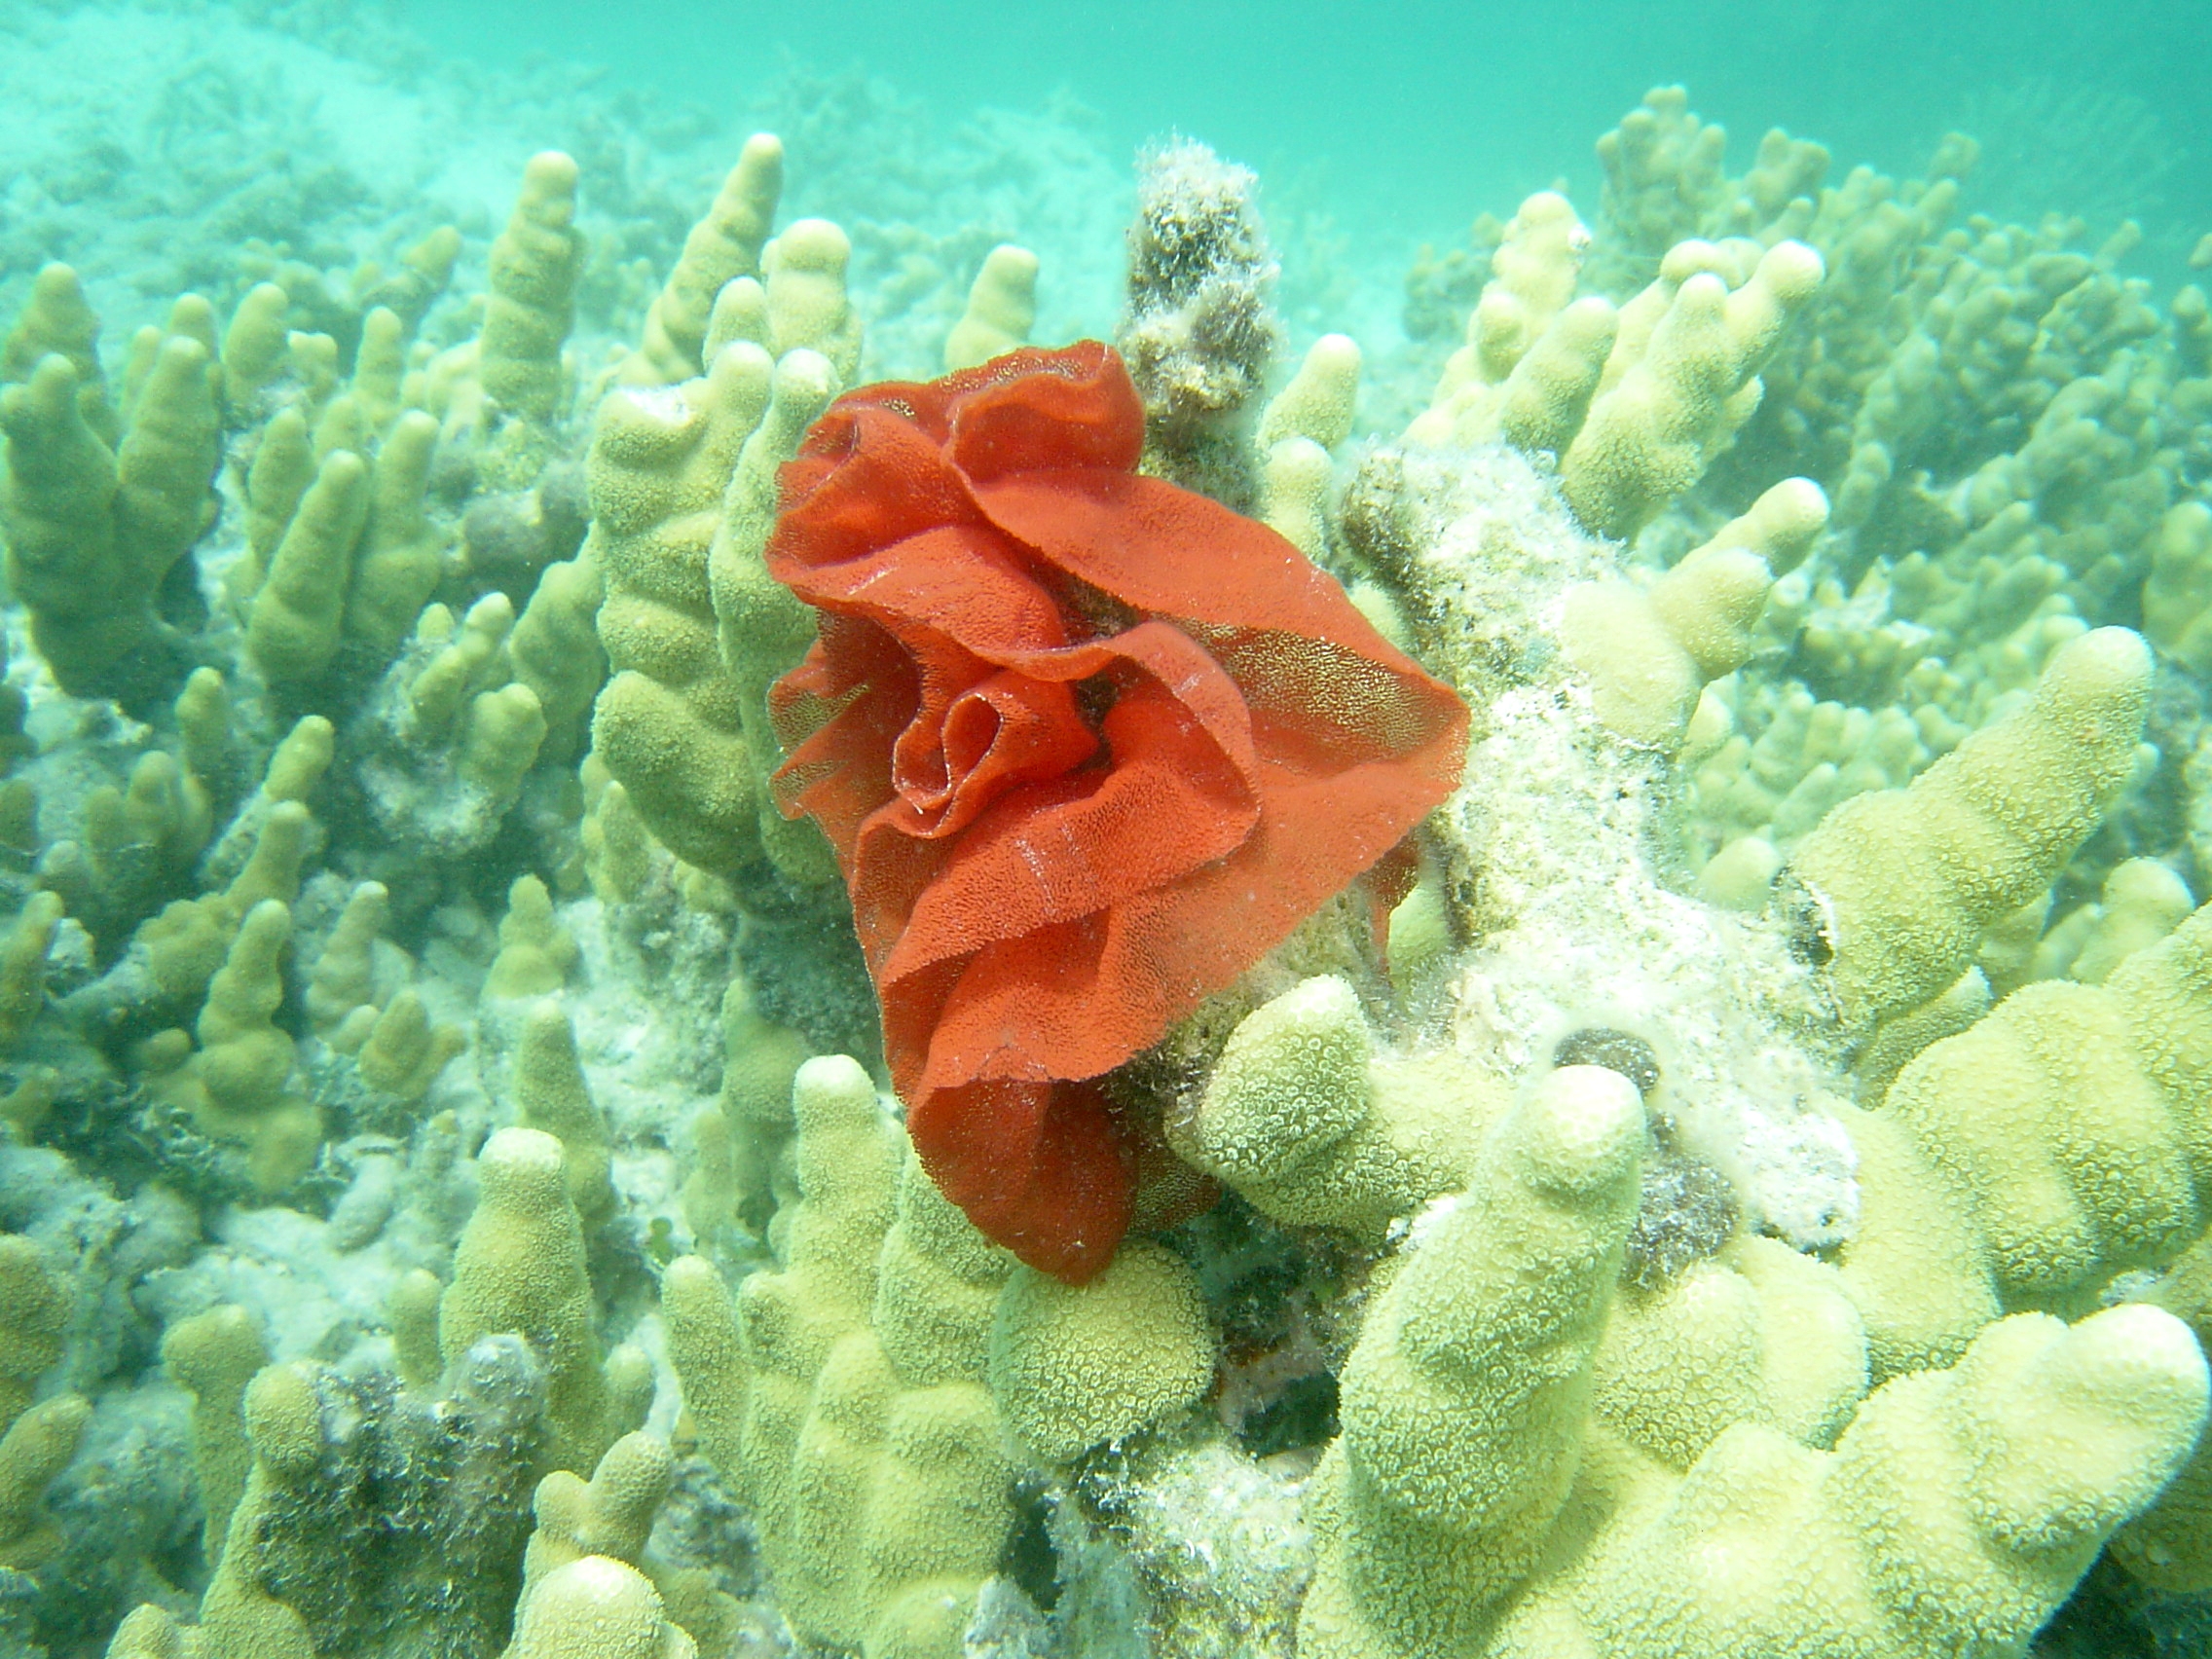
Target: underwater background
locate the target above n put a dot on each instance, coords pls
(1645, 1090)
(1395, 119)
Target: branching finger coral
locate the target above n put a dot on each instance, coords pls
(98, 520)
(852, 1414)
(1988, 830)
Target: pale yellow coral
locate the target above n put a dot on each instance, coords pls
(1309, 418)
(556, 650)
(405, 1049)
(1505, 1483)
(1680, 380)
(609, 1515)
(36, 1448)
(666, 725)
(882, 1498)
(1437, 1498)
(534, 266)
(762, 628)
(342, 984)
(1002, 305)
(722, 247)
(1071, 1367)
(2142, 902)
(1648, 651)
(344, 553)
(1305, 1120)
(1959, 1508)
(1904, 882)
(536, 953)
(520, 1266)
(595, 1609)
(253, 346)
(34, 1312)
(2066, 1198)
(551, 1095)
(94, 522)
(2170, 1545)
(57, 320)
(803, 271)
(282, 1413)
(1534, 351)
(213, 1356)
(2177, 596)
(22, 966)
(749, 1132)
(240, 1085)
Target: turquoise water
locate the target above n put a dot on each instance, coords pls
(1409, 118)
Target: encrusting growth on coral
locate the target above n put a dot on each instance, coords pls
(1200, 325)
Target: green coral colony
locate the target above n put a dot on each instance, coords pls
(1758, 1207)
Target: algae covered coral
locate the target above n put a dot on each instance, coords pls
(1733, 1183)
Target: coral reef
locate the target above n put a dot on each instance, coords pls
(1548, 1001)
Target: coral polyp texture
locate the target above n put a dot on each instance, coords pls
(1233, 983)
